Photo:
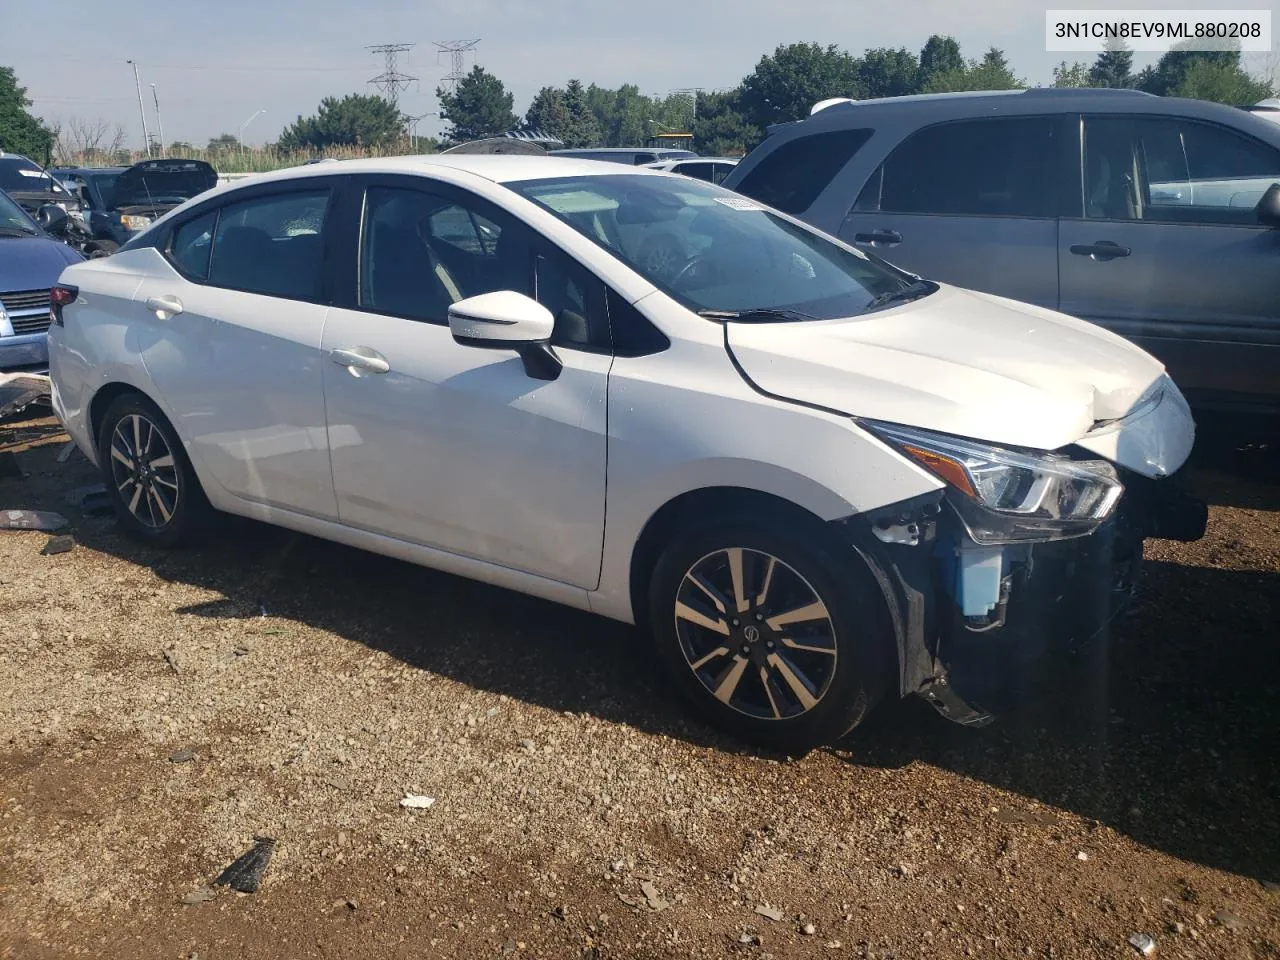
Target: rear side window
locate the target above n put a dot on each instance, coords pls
(272, 245)
(791, 177)
(998, 168)
(191, 245)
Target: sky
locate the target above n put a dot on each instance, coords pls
(216, 64)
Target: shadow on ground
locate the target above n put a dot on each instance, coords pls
(1167, 733)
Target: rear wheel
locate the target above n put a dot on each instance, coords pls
(778, 636)
(148, 477)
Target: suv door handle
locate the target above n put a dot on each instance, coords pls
(1102, 250)
(360, 360)
(164, 307)
(887, 237)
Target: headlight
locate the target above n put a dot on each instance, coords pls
(134, 223)
(1006, 496)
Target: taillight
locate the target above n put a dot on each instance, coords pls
(59, 297)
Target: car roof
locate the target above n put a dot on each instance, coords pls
(499, 168)
(87, 169)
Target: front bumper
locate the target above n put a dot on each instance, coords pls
(24, 350)
(979, 626)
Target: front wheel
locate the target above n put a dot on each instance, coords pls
(148, 477)
(101, 248)
(776, 634)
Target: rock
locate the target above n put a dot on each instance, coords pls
(185, 755)
(56, 545)
(808, 929)
(748, 938)
(526, 744)
(653, 900)
(413, 801)
(200, 895)
(1229, 920)
(1143, 944)
(834, 944)
(1082, 856)
(1270, 886)
(771, 913)
(1178, 927)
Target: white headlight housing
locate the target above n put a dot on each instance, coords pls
(1005, 496)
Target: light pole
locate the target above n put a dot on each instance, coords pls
(159, 123)
(240, 138)
(146, 134)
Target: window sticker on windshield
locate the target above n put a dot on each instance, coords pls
(739, 203)
(38, 174)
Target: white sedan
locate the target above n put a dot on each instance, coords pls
(817, 481)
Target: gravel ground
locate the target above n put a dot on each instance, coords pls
(160, 710)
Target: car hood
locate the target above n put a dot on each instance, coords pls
(162, 181)
(979, 366)
(32, 263)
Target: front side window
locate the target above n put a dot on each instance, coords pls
(1174, 170)
(791, 177)
(272, 245)
(421, 252)
(714, 250)
(994, 168)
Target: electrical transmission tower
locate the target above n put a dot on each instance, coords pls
(457, 50)
(391, 81)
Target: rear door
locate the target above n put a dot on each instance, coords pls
(229, 326)
(1170, 254)
(973, 203)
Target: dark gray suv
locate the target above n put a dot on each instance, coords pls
(1156, 217)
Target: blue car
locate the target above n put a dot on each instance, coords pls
(30, 263)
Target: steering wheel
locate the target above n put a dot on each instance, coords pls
(695, 264)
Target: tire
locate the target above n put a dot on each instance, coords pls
(838, 665)
(101, 248)
(157, 498)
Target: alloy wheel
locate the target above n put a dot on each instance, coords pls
(755, 633)
(144, 471)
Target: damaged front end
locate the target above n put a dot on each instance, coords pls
(1020, 555)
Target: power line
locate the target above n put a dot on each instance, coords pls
(391, 81)
(457, 50)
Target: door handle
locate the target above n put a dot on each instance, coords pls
(164, 307)
(886, 237)
(360, 360)
(1102, 250)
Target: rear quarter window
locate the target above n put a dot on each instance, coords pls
(796, 172)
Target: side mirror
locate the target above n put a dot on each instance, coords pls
(53, 219)
(506, 320)
(1268, 207)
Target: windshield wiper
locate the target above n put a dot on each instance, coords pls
(8, 231)
(913, 291)
(757, 315)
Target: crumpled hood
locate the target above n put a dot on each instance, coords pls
(959, 362)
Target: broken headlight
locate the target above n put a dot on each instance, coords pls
(1005, 496)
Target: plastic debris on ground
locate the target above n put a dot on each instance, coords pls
(57, 545)
(415, 801)
(20, 390)
(1143, 944)
(45, 520)
(245, 873)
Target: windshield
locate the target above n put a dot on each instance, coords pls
(714, 250)
(20, 175)
(12, 217)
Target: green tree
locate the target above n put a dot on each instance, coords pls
(357, 120)
(939, 55)
(1114, 66)
(480, 107)
(889, 73)
(1216, 75)
(223, 143)
(1072, 75)
(20, 132)
(990, 73)
(582, 130)
(720, 129)
(549, 113)
(786, 85)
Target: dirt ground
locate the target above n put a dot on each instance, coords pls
(578, 812)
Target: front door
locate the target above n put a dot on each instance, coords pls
(971, 203)
(1170, 253)
(229, 325)
(456, 447)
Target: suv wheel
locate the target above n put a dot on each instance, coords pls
(776, 636)
(149, 479)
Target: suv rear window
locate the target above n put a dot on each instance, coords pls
(791, 177)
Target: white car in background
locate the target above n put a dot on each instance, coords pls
(711, 169)
(816, 481)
